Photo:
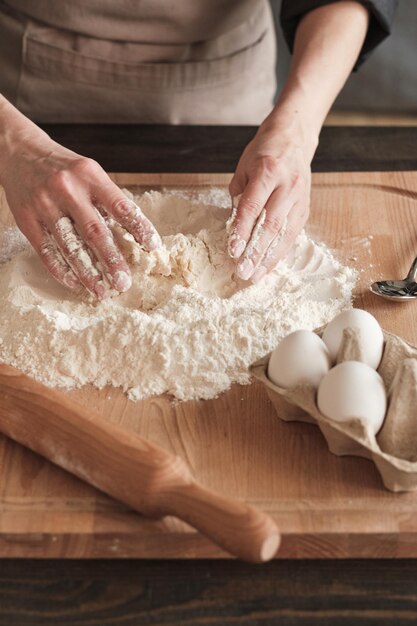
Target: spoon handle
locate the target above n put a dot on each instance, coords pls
(412, 274)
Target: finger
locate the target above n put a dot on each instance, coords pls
(236, 187)
(68, 240)
(128, 214)
(237, 184)
(49, 254)
(86, 242)
(231, 220)
(70, 244)
(251, 204)
(246, 267)
(268, 226)
(98, 238)
(283, 242)
(77, 255)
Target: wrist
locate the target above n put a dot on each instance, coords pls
(19, 136)
(293, 127)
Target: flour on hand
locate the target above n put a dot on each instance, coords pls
(187, 326)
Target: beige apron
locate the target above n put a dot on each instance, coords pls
(109, 61)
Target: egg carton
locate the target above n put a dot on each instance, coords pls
(394, 448)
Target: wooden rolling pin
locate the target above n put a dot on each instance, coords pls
(128, 467)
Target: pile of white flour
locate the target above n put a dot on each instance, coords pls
(186, 327)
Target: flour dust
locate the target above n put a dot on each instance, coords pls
(187, 327)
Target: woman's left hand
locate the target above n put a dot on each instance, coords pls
(271, 194)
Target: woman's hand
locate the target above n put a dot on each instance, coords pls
(271, 195)
(58, 200)
(273, 174)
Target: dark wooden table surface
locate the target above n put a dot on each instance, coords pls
(193, 593)
(133, 148)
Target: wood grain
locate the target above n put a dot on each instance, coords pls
(133, 470)
(325, 506)
(154, 148)
(208, 593)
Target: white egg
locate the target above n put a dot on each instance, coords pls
(300, 357)
(372, 338)
(353, 389)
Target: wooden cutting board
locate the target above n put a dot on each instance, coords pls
(325, 506)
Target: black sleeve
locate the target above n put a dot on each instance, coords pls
(381, 14)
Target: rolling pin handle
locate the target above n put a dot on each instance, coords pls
(240, 529)
(127, 467)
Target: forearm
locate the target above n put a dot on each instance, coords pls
(16, 131)
(273, 176)
(327, 44)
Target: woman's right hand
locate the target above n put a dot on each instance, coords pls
(57, 198)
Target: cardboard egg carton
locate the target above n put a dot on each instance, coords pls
(394, 448)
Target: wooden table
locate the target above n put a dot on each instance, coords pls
(205, 590)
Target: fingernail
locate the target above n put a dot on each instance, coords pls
(122, 281)
(259, 274)
(71, 281)
(154, 242)
(236, 247)
(244, 269)
(240, 248)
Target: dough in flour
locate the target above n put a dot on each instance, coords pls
(187, 327)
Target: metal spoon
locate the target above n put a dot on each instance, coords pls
(399, 290)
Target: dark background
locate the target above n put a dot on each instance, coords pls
(387, 82)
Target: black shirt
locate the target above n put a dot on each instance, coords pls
(381, 13)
